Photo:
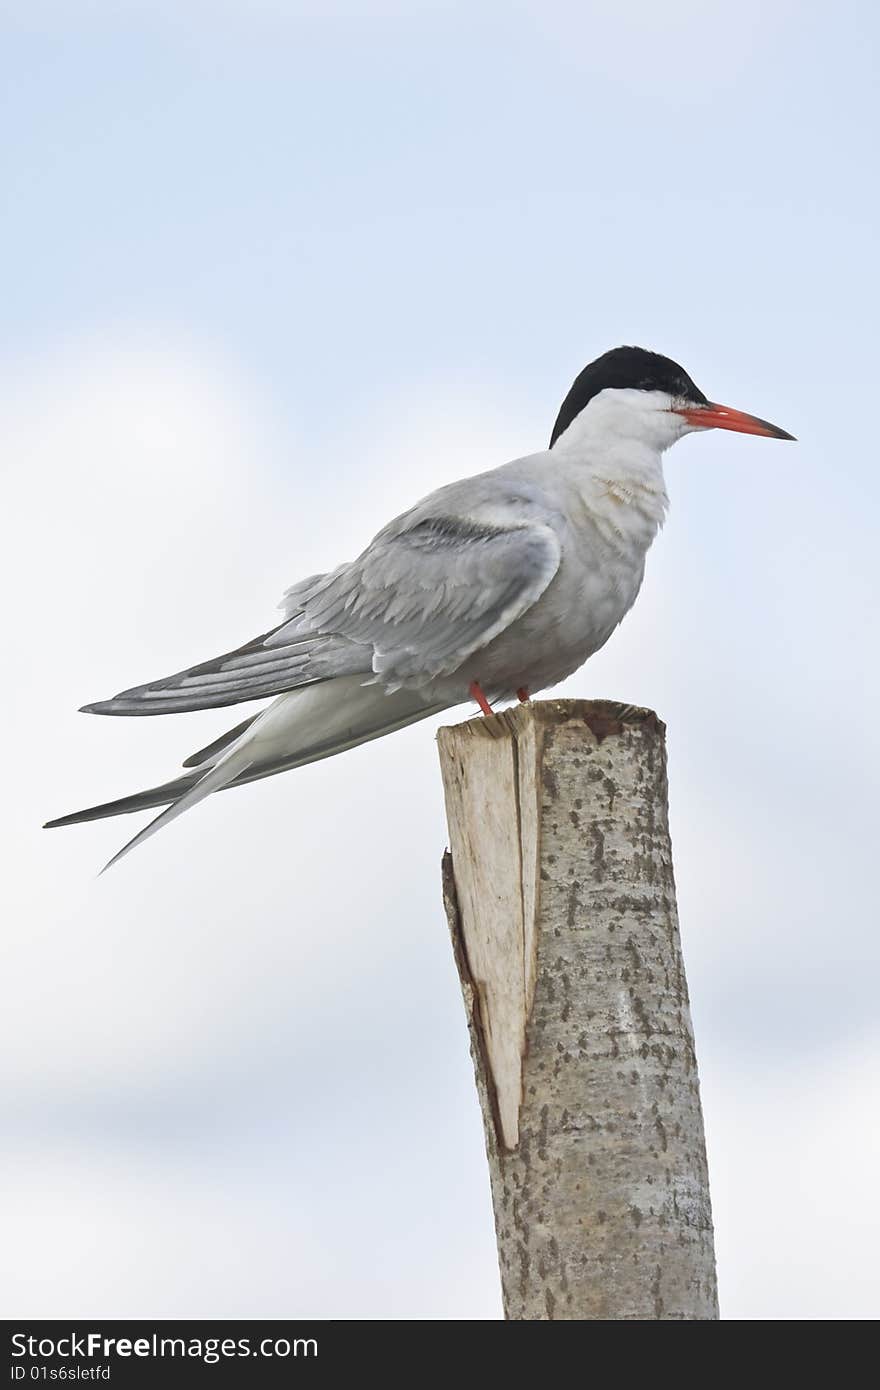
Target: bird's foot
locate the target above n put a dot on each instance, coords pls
(523, 695)
(476, 693)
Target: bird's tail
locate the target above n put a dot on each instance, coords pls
(299, 727)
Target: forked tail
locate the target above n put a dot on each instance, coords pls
(299, 727)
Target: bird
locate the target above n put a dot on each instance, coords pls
(490, 589)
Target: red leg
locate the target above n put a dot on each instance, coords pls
(477, 694)
(523, 694)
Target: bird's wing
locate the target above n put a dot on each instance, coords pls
(267, 665)
(433, 589)
(427, 593)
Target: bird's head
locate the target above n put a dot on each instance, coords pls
(632, 393)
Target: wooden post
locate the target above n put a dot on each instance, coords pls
(561, 903)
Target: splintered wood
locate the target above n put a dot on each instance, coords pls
(561, 902)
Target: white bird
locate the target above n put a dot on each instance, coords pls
(491, 588)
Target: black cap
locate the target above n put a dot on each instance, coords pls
(625, 368)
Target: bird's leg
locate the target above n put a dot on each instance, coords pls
(523, 695)
(476, 693)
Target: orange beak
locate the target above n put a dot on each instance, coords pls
(723, 417)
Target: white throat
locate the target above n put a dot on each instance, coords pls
(615, 448)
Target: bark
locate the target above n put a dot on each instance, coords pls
(561, 904)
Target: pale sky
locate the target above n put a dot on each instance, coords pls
(272, 271)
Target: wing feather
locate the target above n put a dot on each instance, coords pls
(427, 593)
(426, 597)
(250, 672)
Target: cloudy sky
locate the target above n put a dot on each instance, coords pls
(271, 270)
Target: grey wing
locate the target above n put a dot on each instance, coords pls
(266, 665)
(419, 600)
(426, 595)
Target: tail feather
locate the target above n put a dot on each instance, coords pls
(211, 781)
(299, 727)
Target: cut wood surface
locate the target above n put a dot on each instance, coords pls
(561, 903)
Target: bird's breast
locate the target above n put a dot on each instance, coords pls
(594, 588)
(606, 516)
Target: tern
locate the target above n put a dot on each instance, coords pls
(490, 589)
